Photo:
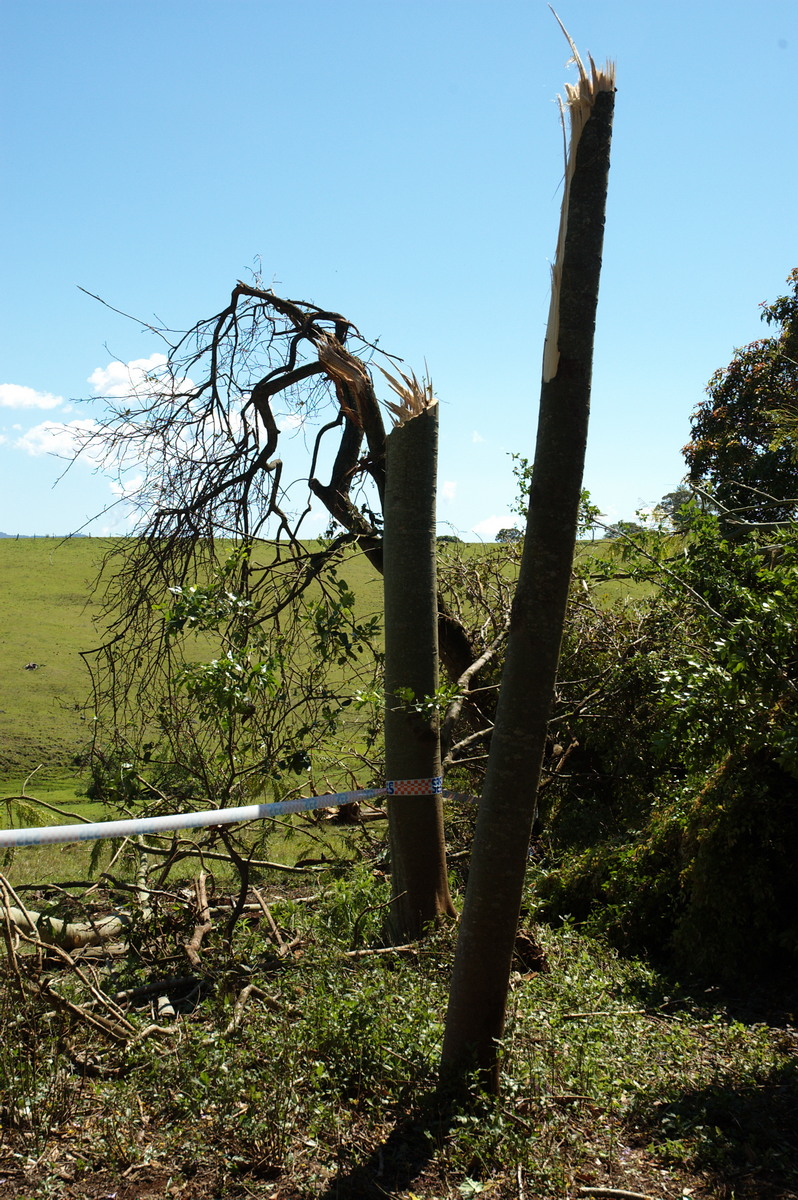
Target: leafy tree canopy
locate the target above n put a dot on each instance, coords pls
(510, 535)
(622, 529)
(744, 444)
(676, 508)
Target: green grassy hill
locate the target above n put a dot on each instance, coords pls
(48, 617)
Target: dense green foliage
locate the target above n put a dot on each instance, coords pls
(674, 826)
(677, 828)
(743, 444)
(240, 705)
(667, 811)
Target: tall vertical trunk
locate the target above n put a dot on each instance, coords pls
(420, 888)
(481, 974)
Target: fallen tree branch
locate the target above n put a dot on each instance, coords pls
(621, 1012)
(614, 1193)
(252, 989)
(473, 739)
(68, 935)
(143, 893)
(154, 1031)
(408, 949)
(88, 1066)
(11, 936)
(162, 1007)
(145, 990)
(11, 939)
(214, 855)
(238, 1008)
(243, 867)
(62, 812)
(463, 683)
(100, 997)
(278, 937)
(118, 1032)
(204, 923)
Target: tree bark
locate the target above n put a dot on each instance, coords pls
(420, 888)
(69, 935)
(481, 974)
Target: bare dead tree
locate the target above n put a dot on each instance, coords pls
(202, 436)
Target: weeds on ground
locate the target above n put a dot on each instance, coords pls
(303, 1059)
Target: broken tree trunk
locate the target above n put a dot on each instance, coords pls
(420, 887)
(481, 973)
(69, 935)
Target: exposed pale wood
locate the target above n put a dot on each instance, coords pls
(204, 923)
(69, 935)
(579, 103)
(614, 1193)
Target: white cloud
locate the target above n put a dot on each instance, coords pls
(449, 489)
(53, 438)
(476, 438)
(290, 421)
(139, 377)
(316, 518)
(488, 528)
(611, 515)
(128, 487)
(122, 379)
(15, 395)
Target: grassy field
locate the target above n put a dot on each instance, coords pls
(50, 615)
(48, 618)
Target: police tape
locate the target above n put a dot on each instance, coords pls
(46, 835)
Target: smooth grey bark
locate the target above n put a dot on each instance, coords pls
(420, 888)
(483, 959)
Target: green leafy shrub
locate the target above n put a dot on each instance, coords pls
(675, 829)
(740, 916)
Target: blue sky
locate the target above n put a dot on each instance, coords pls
(401, 162)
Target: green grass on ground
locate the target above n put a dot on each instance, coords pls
(289, 840)
(49, 616)
(301, 1064)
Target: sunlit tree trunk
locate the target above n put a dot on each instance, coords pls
(481, 975)
(420, 888)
